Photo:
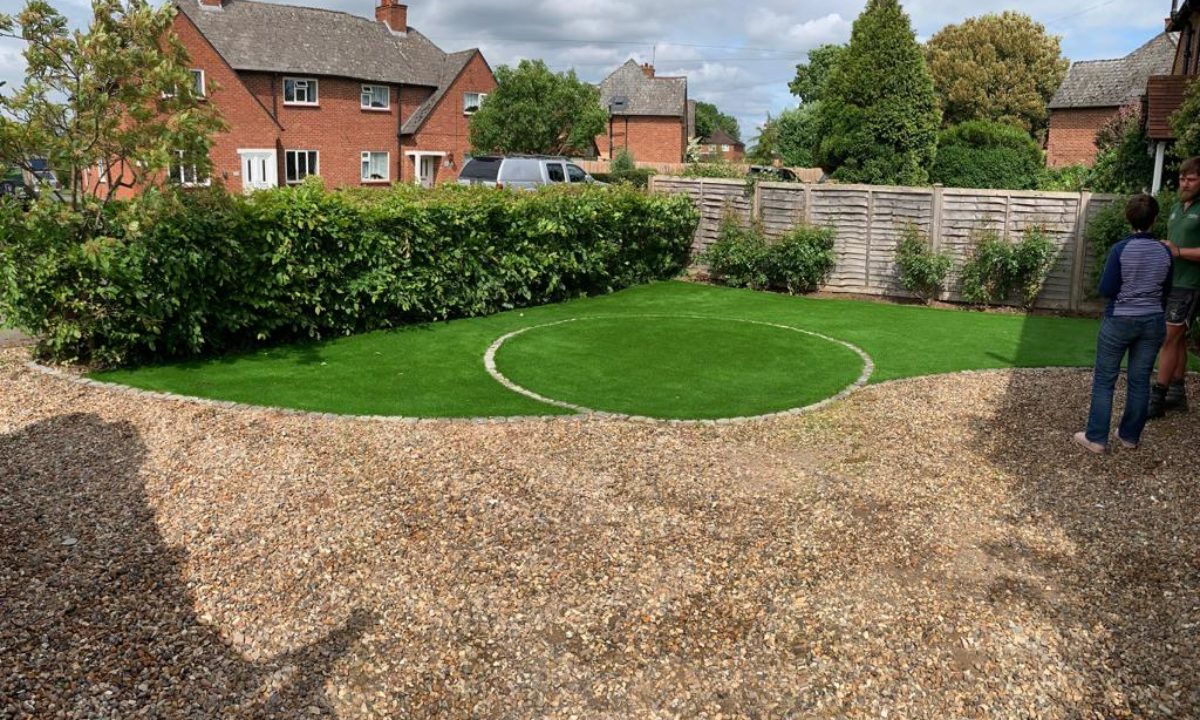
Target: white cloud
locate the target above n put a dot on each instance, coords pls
(737, 55)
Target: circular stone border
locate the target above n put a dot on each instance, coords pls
(489, 363)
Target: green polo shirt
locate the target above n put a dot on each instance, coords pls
(1183, 229)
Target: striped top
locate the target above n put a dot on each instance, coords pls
(1137, 277)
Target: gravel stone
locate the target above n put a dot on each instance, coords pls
(933, 548)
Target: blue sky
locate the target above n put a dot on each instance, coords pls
(737, 55)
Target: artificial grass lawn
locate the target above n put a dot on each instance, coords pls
(437, 370)
(668, 367)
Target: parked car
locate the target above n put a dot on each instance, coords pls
(526, 172)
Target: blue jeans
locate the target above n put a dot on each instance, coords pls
(1141, 337)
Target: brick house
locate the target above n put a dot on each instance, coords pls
(1165, 92)
(306, 91)
(722, 146)
(647, 115)
(1093, 92)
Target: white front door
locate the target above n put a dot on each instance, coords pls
(259, 169)
(428, 170)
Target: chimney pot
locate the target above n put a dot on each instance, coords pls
(648, 69)
(392, 14)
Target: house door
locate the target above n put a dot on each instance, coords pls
(259, 169)
(427, 172)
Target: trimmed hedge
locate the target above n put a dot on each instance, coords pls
(983, 154)
(178, 275)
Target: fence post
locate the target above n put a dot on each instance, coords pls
(1085, 200)
(807, 203)
(870, 237)
(935, 223)
(756, 204)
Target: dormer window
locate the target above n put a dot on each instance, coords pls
(299, 91)
(375, 97)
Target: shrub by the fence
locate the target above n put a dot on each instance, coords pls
(800, 261)
(1109, 227)
(179, 275)
(922, 271)
(998, 269)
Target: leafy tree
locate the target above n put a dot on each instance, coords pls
(1186, 124)
(533, 110)
(1002, 67)
(709, 119)
(878, 118)
(118, 94)
(797, 134)
(1124, 163)
(809, 83)
(766, 145)
(984, 154)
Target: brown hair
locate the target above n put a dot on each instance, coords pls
(1191, 166)
(1141, 211)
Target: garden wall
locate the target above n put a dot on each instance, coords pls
(869, 220)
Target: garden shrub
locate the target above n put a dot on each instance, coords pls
(1069, 178)
(984, 154)
(1109, 227)
(922, 271)
(180, 274)
(799, 261)
(998, 269)
(714, 170)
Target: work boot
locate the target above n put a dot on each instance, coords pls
(1158, 401)
(1176, 397)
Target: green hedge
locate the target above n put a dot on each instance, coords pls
(983, 154)
(179, 275)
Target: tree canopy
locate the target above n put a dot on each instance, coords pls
(709, 119)
(809, 83)
(534, 110)
(117, 96)
(1002, 67)
(878, 117)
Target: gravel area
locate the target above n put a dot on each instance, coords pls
(934, 548)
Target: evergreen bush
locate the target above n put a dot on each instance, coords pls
(922, 271)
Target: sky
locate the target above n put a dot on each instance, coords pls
(738, 55)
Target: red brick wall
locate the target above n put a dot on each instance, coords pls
(649, 139)
(445, 130)
(1072, 137)
(338, 128)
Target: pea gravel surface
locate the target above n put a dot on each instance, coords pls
(934, 548)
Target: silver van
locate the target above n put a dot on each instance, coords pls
(526, 172)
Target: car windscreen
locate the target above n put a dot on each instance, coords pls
(481, 169)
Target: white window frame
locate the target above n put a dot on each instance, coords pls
(387, 98)
(366, 156)
(101, 171)
(312, 91)
(468, 109)
(311, 171)
(182, 177)
(201, 87)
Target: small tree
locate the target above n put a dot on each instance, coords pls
(709, 119)
(766, 145)
(922, 271)
(117, 98)
(1124, 163)
(811, 77)
(878, 117)
(533, 110)
(797, 134)
(1003, 68)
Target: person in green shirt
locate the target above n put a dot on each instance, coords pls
(1183, 240)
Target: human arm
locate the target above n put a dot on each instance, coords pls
(1183, 253)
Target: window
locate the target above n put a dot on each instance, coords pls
(472, 101)
(576, 173)
(299, 164)
(185, 173)
(374, 166)
(375, 97)
(198, 82)
(102, 170)
(299, 91)
(555, 172)
(724, 148)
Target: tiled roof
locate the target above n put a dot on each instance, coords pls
(646, 96)
(720, 137)
(1114, 83)
(266, 37)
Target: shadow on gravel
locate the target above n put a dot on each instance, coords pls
(95, 619)
(1125, 574)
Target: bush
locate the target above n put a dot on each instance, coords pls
(997, 269)
(983, 154)
(1072, 178)
(714, 170)
(1108, 227)
(623, 162)
(922, 271)
(205, 271)
(798, 262)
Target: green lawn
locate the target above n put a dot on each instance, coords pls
(437, 370)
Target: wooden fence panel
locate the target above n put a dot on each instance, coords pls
(846, 209)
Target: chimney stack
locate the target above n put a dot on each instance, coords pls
(392, 14)
(212, 4)
(648, 69)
